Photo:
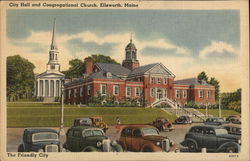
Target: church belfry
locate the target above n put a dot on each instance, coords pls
(130, 61)
(53, 64)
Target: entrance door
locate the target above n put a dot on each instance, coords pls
(158, 94)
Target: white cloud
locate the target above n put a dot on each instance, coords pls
(217, 47)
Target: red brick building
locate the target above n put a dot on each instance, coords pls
(152, 84)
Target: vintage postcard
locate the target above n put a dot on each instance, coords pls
(124, 80)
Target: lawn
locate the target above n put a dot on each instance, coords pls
(23, 114)
(215, 112)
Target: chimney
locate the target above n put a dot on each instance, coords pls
(88, 66)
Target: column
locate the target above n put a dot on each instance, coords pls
(49, 87)
(44, 88)
(55, 88)
(60, 88)
(38, 88)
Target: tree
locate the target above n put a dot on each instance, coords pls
(77, 66)
(202, 76)
(216, 84)
(231, 100)
(20, 78)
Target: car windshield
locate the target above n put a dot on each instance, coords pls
(221, 131)
(220, 119)
(150, 131)
(44, 136)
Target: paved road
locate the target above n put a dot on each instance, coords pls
(14, 136)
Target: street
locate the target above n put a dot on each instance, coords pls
(14, 135)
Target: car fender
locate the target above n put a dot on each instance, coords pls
(117, 148)
(228, 144)
(153, 147)
(89, 149)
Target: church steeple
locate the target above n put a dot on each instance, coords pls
(130, 61)
(53, 64)
(53, 45)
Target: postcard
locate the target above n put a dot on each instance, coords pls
(124, 80)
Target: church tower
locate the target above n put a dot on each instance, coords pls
(53, 65)
(130, 61)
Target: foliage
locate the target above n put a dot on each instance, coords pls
(48, 114)
(77, 66)
(20, 78)
(231, 100)
(212, 81)
(215, 112)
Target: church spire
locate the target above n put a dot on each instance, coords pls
(53, 45)
(131, 37)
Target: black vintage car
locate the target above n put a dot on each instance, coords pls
(183, 120)
(40, 140)
(89, 139)
(215, 121)
(213, 138)
(234, 129)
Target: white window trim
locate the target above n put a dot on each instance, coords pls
(184, 93)
(152, 80)
(152, 92)
(101, 89)
(158, 80)
(127, 92)
(177, 93)
(88, 89)
(117, 90)
(165, 93)
(208, 94)
(165, 81)
(201, 95)
(137, 88)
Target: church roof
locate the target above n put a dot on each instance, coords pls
(191, 81)
(115, 69)
(131, 46)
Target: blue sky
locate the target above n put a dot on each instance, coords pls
(176, 37)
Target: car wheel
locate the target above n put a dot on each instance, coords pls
(191, 146)
(90, 149)
(147, 149)
(231, 150)
(20, 148)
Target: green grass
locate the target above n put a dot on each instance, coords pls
(48, 114)
(215, 112)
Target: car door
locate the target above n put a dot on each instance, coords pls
(128, 139)
(136, 139)
(69, 140)
(209, 139)
(76, 140)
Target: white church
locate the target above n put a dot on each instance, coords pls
(49, 83)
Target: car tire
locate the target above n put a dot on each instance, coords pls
(147, 149)
(20, 148)
(90, 149)
(231, 150)
(191, 146)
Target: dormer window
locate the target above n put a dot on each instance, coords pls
(108, 75)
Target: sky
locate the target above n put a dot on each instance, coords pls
(187, 42)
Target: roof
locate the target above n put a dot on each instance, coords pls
(101, 74)
(115, 69)
(50, 73)
(191, 81)
(84, 127)
(36, 130)
(131, 46)
(209, 126)
(138, 126)
(142, 69)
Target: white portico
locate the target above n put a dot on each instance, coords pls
(48, 84)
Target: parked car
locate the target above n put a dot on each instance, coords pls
(235, 119)
(213, 138)
(89, 139)
(215, 121)
(91, 121)
(145, 138)
(233, 129)
(183, 120)
(40, 140)
(162, 124)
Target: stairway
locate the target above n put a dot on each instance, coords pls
(49, 99)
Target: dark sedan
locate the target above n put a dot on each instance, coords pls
(215, 121)
(183, 120)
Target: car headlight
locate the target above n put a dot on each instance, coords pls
(40, 150)
(158, 143)
(171, 143)
(239, 141)
(113, 143)
(99, 144)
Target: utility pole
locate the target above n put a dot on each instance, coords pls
(61, 130)
(219, 107)
(206, 109)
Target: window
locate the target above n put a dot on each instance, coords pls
(152, 80)
(184, 93)
(70, 133)
(128, 91)
(165, 93)
(81, 91)
(159, 80)
(108, 75)
(115, 89)
(177, 93)
(208, 94)
(137, 91)
(165, 80)
(88, 89)
(103, 89)
(200, 93)
(152, 92)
